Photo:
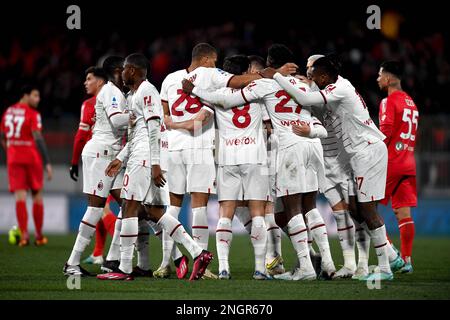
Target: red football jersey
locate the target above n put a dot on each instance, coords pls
(84, 133)
(18, 123)
(399, 119)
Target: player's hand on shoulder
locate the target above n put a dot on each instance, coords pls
(187, 86)
(74, 172)
(287, 69)
(303, 79)
(157, 176)
(113, 168)
(49, 170)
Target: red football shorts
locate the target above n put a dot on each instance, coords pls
(401, 190)
(25, 176)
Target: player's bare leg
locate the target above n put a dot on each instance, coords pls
(176, 230)
(224, 236)
(258, 237)
(38, 217)
(298, 235)
(86, 230)
(318, 229)
(407, 231)
(243, 214)
(22, 216)
(346, 233)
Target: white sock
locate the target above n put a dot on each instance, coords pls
(243, 214)
(273, 237)
(259, 241)
(380, 241)
(363, 244)
(346, 233)
(176, 230)
(158, 231)
(299, 238)
(114, 248)
(310, 242)
(142, 245)
(392, 255)
(200, 231)
(85, 233)
(168, 244)
(128, 237)
(224, 236)
(319, 232)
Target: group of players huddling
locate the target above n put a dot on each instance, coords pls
(269, 140)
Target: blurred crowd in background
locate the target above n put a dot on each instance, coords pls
(56, 59)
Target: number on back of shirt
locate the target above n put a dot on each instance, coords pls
(14, 124)
(411, 118)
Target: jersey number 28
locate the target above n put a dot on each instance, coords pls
(193, 104)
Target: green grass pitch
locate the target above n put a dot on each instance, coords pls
(36, 273)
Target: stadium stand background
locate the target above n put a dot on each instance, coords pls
(43, 51)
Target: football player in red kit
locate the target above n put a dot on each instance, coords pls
(92, 84)
(398, 121)
(20, 135)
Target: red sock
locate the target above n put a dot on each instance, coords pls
(38, 216)
(100, 239)
(22, 218)
(110, 222)
(407, 230)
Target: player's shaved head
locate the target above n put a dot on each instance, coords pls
(393, 67)
(257, 63)
(278, 55)
(237, 64)
(202, 50)
(325, 71)
(138, 61)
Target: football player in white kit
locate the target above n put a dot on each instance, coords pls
(360, 139)
(144, 179)
(191, 160)
(298, 159)
(109, 129)
(338, 188)
(242, 172)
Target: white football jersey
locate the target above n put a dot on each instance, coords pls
(185, 107)
(353, 125)
(283, 111)
(241, 138)
(164, 148)
(145, 105)
(110, 101)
